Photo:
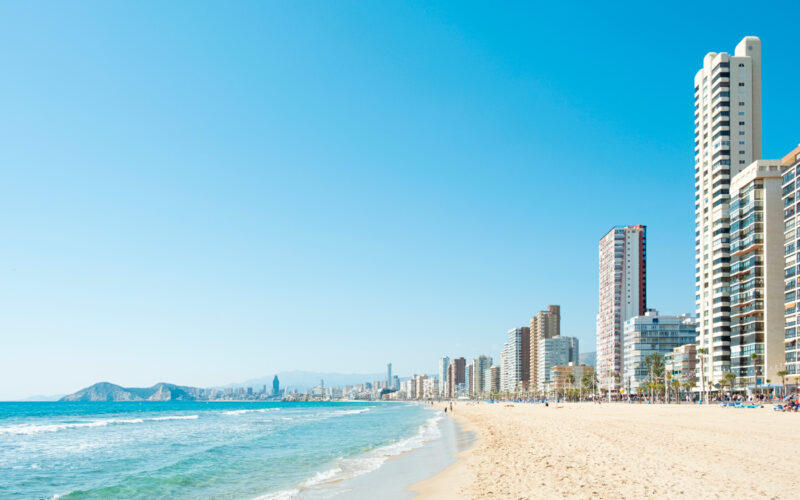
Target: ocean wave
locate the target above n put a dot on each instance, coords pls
(254, 410)
(174, 417)
(349, 468)
(280, 495)
(24, 429)
(349, 412)
(322, 477)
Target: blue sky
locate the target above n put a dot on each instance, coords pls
(205, 192)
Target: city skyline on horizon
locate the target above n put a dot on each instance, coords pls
(271, 212)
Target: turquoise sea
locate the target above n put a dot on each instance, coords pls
(199, 450)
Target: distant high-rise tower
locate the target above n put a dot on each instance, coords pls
(456, 376)
(727, 138)
(623, 286)
(545, 325)
(516, 353)
(444, 363)
(389, 375)
(276, 386)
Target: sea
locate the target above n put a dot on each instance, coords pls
(199, 450)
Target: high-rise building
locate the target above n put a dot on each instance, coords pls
(555, 351)
(419, 382)
(456, 377)
(545, 325)
(276, 386)
(504, 368)
(395, 382)
(481, 374)
(444, 363)
(623, 294)
(791, 200)
(653, 333)
(389, 375)
(727, 119)
(494, 380)
(757, 273)
(517, 352)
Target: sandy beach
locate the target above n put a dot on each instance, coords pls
(621, 451)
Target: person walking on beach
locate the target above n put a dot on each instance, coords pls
(451, 407)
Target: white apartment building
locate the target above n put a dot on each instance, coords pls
(516, 358)
(791, 215)
(481, 376)
(727, 92)
(622, 294)
(757, 274)
(555, 351)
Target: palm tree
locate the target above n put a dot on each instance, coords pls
(729, 378)
(688, 386)
(754, 357)
(676, 387)
(655, 368)
(702, 352)
(571, 380)
(782, 374)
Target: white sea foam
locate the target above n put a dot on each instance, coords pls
(368, 462)
(174, 417)
(254, 410)
(280, 495)
(42, 428)
(322, 477)
(349, 412)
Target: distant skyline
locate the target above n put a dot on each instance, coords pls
(204, 193)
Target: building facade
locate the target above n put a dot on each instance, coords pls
(494, 380)
(791, 214)
(560, 376)
(444, 364)
(653, 333)
(622, 294)
(456, 377)
(556, 351)
(481, 376)
(727, 93)
(545, 325)
(681, 363)
(757, 273)
(516, 352)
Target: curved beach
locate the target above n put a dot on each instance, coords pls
(582, 450)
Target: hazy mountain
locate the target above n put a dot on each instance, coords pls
(40, 397)
(302, 380)
(105, 391)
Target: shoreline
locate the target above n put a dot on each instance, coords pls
(618, 450)
(440, 485)
(398, 471)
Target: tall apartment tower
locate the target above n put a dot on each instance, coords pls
(757, 276)
(456, 376)
(389, 375)
(444, 363)
(727, 120)
(481, 371)
(791, 214)
(545, 325)
(516, 352)
(623, 294)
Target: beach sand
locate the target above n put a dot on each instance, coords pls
(621, 451)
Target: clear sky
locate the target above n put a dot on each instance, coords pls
(204, 192)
